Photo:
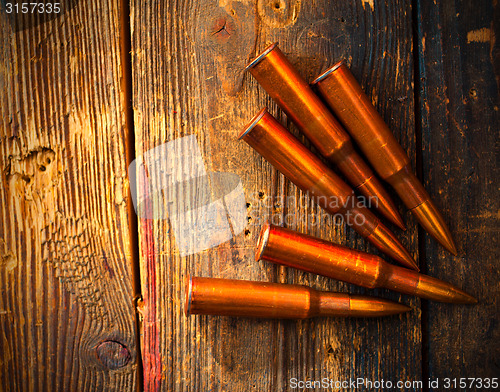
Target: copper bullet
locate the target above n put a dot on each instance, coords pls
(227, 297)
(355, 111)
(285, 152)
(292, 93)
(293, 249)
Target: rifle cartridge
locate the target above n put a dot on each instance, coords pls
(301, 251)
(353, 108)
(227, 297)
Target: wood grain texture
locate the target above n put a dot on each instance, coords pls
(66, 313)
(459, 69)
(187, 62)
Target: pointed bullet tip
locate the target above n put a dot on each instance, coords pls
(393, 216)
(397, 308)
(432, 221)
(363, 306)
(453, 249)
(400, 224)
(468, 299)
(458, 296)
(404, 308)
(373, 188)
(448, 243)
(412, 265)
(441, 291)
(414, 268)
(387, 242)
(408, 262)
(393, 308)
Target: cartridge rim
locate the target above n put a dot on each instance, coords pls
(189, 293)
(262, 240)
(252, 123)
(328, 72)
(256, 60)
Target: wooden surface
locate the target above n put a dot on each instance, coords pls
(460, 69)
(66, 317)
(67, 240)
(188, 63)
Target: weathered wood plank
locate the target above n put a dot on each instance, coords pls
(66, 312)
(188, 61)
(458, 46)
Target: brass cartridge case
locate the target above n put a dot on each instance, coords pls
(227, 297)
(355, 111)
(285, 152)
(293, 249)
(292, 93)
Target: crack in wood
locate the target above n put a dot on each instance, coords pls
(223, 28)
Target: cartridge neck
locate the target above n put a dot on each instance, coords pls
(402, 280)
(332, 304)
(408, 187)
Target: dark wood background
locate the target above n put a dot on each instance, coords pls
(85, 92)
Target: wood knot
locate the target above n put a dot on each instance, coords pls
(228, 33)
(222, 29)
(113, 355)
